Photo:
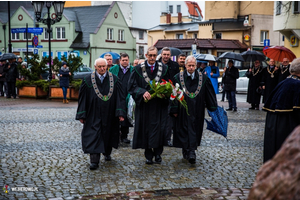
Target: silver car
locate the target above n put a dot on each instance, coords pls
(82, 71)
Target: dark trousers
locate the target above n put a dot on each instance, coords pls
(2, 84)
(150, 153)
(11, 89)
(124, 132)
(169, 127)
(223, 95)
(95, 157)
(231, 99)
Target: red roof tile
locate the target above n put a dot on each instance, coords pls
(192, 8)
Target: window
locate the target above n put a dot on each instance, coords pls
(264, 35)
(278, 7)
(141, 35)
(60, 33)
(296, 7)
(179, 36)
(29, 36)
(110, 34)
(178, 8)
(120, 35)
(141, 51)
(15, 36)
(195, 35)
(171, 9)
(221, 63)
(60, 54)
(46, 34)
(218, 35)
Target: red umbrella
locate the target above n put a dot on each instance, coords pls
(278, 53)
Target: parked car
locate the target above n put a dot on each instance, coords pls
(241, 82)
(82, 71)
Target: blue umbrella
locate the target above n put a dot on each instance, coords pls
(219, 121)
(114, 55)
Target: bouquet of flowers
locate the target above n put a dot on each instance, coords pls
(160, 90)
(177, 93)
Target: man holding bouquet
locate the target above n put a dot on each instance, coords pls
(150, 116)
(198, 92)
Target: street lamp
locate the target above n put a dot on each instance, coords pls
(58, 8)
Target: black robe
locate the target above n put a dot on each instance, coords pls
(101, 128)
(254, 82)
(283, 73)
(269, 82)
(151, 117)
(188, 128)
(283, 115)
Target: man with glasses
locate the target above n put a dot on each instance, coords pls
(253, 95)
(98, 110)
(150, 117)
(284, 70)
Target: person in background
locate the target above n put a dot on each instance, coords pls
(284, 70)
(255, 75)
(2, 78)
(141, 61)
(135, 62)
(64, 79)
(21, 76)
(181, 61)
(283, 111)
(201, 67)
(213, 74)
(222, 85)
(109, 60)
(231, 74)
(11, 76)
(20, 60)
(269, 79)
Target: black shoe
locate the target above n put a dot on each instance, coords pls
(234, 110)
(251, 108)
(94, 166)
(158, 159)
(170, 143)
(192, 157)
(125, 140)
(185, 154)
(228, 109)
(149, 162)
(107, 158)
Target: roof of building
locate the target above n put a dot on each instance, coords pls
(188, 26)
(201, 43)
(192, 6)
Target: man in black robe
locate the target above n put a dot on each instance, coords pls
(151, 117)
(98, 108)
(269, 79)
(283, 111)
(284, 70)
(123, 71)
(198, 93)
(254, 87)
(173, 69)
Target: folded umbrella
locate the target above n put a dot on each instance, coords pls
(232, 56)
(219, 121)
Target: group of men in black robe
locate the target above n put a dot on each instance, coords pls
(102, 106)
(262, 81)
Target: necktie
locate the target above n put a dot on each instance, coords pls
(124, 70)
(101, 78)
(152, 68)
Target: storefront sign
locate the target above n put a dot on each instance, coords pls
(247, 37)
(293, 41)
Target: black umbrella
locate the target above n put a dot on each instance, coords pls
(253, 56)
(8, 56)
(174, 51)
(232, 56)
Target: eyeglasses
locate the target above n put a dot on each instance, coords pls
(151, 55)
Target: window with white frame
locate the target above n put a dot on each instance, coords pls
(178, 8)
(60, 33)
(179, 36)
(15, 36)
(46, 34)
(296, 7)
(120, 35)
(141, 35)
(278, 7)
(27, 35)
(110, 34)
(171, 9)
(264, 35)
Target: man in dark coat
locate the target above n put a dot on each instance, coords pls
(181, 61)
(269, 79)
(123, 71)
(253, 96)
(284, 70)
(151, 117)
(229, 80)
(198, 94)
(173, 69)
(11, 76)
(283, 111)
(98, 110)
(2, 77)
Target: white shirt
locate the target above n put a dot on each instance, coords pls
(99, 76)
(151, 65)
(191, 75)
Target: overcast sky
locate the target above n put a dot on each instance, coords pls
(202, 7)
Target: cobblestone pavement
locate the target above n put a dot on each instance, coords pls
(40, 149)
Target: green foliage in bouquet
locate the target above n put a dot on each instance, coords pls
(160, 90)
